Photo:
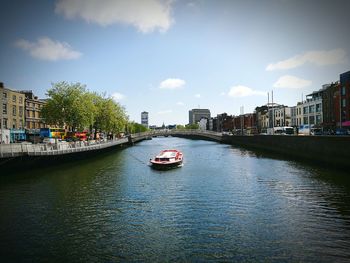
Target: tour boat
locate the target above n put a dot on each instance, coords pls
(167, 159)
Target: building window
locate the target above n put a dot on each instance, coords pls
(14, 123)
(343, 91)
(306, 121)
(311, 108)
(343, 102)
(4, 121)
(318, 107)
(312, 120)
(20, 109)
(318, 119)
(14, 98)
(14, 110)
(4, 94)
(20, 100)
(306, 110)
(4, 108)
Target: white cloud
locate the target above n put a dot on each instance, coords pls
(197, 95)
(164, 112)
(243, 91)
(222, 94)
(319, 58)
(118, 96)
(180, 103)
(145, 15)
(172, 84)
(291, 82)
(48, 49)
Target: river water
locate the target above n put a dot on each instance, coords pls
(224, 204)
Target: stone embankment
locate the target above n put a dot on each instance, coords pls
(330, 151)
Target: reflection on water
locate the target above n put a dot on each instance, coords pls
(224, 204)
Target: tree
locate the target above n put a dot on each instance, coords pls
(72, 105)
(68, 104)
(180, 127)
(194, 126)
(110, 116)
(134, 127)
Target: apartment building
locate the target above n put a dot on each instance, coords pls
(12, 114)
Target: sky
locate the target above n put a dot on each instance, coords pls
(167, 57)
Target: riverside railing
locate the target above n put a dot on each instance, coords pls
(41, 149)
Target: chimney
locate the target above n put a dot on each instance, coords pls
(2, 85)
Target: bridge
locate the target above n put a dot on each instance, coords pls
(195, 134)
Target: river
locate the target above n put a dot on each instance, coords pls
(224, 204)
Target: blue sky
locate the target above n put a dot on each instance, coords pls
(167, 57)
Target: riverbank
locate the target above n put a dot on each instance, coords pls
(27, 156)
(330, 151)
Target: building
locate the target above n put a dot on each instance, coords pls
(345, 99)
(262, 118)
(213, 124)
(12, 108)
(144, 118)
(203, 124)
(283, 116)
(228, 123)
(245, 124)
(33, 106)
(12, 114)
(330, 107)
(312, 109)
(221, 118)
(195, 115)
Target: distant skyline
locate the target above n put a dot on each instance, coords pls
(167, 57)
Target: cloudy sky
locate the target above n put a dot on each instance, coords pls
(167, 57)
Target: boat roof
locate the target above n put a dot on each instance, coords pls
(167, 154)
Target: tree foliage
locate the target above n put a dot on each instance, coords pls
(180, 127)
(194, 126)
(134, 127)
(73, 106)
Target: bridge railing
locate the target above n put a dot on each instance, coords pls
(204, 133)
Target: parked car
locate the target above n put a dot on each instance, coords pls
(316, 131)
(341, 131)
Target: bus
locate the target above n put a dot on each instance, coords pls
(58, 133)
(76, 136)
(81, 136)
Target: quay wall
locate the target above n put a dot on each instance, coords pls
(17, 156)
(333, 151)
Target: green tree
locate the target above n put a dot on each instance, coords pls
(68, 104)
(110, 116)
(180, 127)
(194, 126)
(134, 127)
(74, 106)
